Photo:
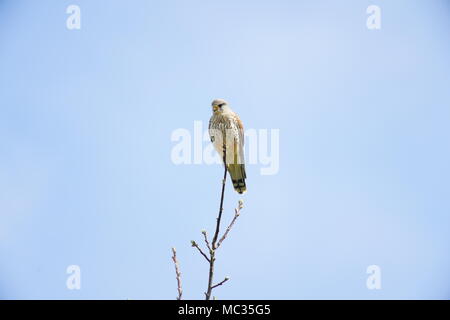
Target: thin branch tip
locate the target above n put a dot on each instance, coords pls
(177, 273)
(205, 236)
(237, 212)
(221, 282)
(195, 245)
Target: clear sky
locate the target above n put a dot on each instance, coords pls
(87, 179)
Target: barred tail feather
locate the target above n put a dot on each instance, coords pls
(238, 176)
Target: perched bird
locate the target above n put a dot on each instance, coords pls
(224, 123)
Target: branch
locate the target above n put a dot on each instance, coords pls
(206, 239)
(178, 273)
(195, 245)
(216, 234)
(237, 212)
(221, 282)
(215, 243)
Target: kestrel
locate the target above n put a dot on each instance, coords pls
(225, 123)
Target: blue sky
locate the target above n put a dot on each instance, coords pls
(86, 176)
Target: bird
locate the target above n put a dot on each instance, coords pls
(226, 123)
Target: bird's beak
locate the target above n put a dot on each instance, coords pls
(215, 108)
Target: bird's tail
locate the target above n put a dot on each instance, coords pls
(238, 176)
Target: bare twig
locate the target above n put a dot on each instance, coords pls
(195, 245)
(221, 282)
(205, 235)
(237, 212)
(178, 273)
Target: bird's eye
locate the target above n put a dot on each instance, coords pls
(220, 105)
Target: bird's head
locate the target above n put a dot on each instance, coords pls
(219, 106)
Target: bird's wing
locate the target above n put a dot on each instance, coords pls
(210, 131)
(240, 127)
